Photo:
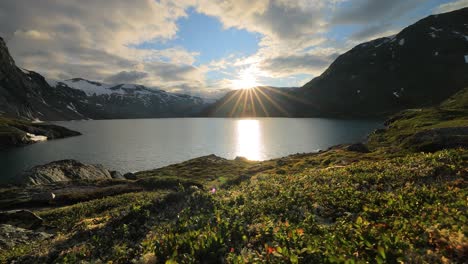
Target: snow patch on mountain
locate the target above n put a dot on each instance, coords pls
(90, 88)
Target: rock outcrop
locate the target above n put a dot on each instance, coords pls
(15, 132)
(21, 218)
(62, 171)
(12, 236)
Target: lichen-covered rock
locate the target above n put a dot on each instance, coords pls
(21, 218)
(12, 236)
(61, 171)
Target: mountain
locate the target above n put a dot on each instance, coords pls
(102, 101)
(27, 94)
(421, 66)
(262, 101)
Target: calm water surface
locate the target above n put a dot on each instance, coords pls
(142, 144)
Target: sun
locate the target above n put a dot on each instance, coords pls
(247, 79)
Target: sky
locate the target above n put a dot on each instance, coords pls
(199, 47)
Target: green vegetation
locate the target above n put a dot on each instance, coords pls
(393, 204)
(451, 113)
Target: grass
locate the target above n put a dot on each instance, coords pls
(451, 113)
(209, 171)
(391, 205)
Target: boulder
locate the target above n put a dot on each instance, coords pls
(358, 147)
(241, 159)
(116, 175)
(63, 171)
(130, 176)
(21, 218)
(12, 236)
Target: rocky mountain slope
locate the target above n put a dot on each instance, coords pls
(102, 101)
(26, 94)
(422, 65)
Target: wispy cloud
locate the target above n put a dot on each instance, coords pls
(451, 6)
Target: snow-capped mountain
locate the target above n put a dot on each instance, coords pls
(128, 100)
(27, 94)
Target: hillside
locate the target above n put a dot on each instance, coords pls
(379, 202)
(422, 65)
(27, 94)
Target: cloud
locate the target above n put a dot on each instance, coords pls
(283, 66)
(99, 40)
(167, 72)
(451, 6)
(369, 11)
(95, 39)
(277, 20)
(373, 32)
(126, 77)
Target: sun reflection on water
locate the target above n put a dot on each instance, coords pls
(248, 139)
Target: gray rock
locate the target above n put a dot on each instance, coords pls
(12, 236)
(130, 176)
(62, 171)
(21, 218)
(116, 175)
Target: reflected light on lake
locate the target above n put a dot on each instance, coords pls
(248, 139)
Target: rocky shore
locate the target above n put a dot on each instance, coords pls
(15, 132)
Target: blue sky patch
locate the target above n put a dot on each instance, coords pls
(206, 35)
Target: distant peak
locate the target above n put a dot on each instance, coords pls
(84, 80)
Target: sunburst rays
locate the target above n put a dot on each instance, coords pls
(258, 101)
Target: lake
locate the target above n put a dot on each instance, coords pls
(131, 145)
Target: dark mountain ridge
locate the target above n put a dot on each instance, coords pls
(420, 66)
